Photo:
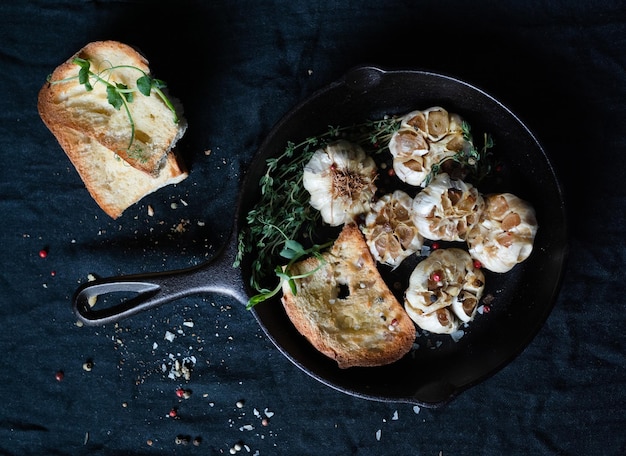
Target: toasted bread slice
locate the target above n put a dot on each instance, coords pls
(71, 105)
(112, 182)
(345, 309)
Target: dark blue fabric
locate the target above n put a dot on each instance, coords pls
(238, 66)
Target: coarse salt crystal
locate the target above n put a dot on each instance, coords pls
(378, 434)
(416, 409)
(170, 336)
(395, 415)
(457, 335)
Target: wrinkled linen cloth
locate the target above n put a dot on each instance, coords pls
(238, 67)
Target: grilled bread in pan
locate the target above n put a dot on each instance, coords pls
(345, 309)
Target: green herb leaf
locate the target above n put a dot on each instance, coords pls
(144, 85)
(292, 286)
(123, 90)
(84, 72)
(114, 98)
(292, 248)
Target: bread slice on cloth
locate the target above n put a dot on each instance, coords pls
(111, 181)
(345, 309)
(117, 168)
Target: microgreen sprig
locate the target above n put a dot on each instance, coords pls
(119, 95)
(292, 251)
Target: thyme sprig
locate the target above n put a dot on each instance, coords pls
(119, 95)
(473, 161)
(478, 162)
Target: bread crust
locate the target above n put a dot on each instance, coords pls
(364, 325)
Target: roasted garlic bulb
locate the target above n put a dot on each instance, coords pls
(425, 139)
(505, 233)
(446, 209)
(389, 229)
(444, 291)
(340, 179)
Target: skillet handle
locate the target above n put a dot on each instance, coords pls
(140, 292)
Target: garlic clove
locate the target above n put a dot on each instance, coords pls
(441, 321)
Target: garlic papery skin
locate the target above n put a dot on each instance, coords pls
(505, 233)
(340, 179)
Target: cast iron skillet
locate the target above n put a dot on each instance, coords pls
(438, 368)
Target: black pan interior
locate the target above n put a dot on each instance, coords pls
(438, 368)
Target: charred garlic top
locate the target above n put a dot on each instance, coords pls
(340, 179)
